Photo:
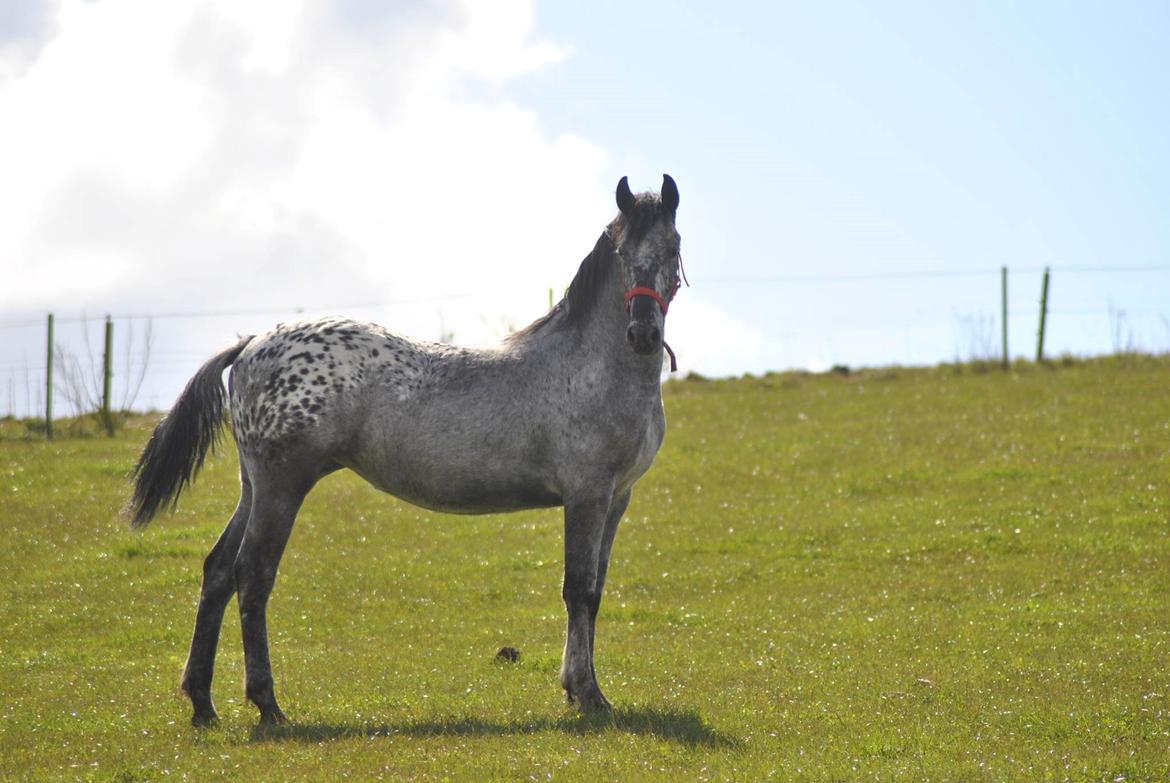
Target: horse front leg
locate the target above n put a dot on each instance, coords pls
(616, 510)
(585, 523)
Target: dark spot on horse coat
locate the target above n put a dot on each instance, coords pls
(271, 377)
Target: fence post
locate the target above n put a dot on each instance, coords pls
(49, 383)
(550, 301)
(1003, 318)
(107, 377)
(1043, 317)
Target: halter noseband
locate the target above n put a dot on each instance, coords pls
(663, 305)
(650, 292)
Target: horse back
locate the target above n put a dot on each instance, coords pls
(447, 428)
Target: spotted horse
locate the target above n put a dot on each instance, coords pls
(566, 412)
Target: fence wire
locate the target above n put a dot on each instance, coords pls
(869, 319)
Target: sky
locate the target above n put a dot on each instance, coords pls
(853, 176)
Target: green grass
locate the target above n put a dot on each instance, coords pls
(936, 574)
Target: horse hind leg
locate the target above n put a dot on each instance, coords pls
(277, 497)
(219, 584)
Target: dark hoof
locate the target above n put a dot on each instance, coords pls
(589, 701)
(596, 706)
(272, 717)
(205, 714)
(204, 718)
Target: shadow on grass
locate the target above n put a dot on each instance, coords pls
(685, 727)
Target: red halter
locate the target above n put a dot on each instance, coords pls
(650, 292)
(663, 304)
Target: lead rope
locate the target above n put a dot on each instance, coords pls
(673, 361)
(683, 272)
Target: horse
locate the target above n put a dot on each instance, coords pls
(565, 412)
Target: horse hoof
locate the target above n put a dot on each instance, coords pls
(598, 705)
(589, 701)
(272, 717)
(204, 718)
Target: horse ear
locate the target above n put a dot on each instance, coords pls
(625, 199)
(669, 193)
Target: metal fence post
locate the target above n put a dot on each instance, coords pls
(1043, 317)
(107, 377)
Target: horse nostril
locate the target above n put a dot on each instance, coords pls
(630, 334)
(654, 335)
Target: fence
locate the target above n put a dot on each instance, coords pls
(54, 366)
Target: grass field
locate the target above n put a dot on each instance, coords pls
(930, 574)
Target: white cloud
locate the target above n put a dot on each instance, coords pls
(212, 141)
(709, 341)
(209, 155)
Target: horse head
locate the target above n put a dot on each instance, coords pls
(647, 246)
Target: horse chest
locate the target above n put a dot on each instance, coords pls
(637, 453)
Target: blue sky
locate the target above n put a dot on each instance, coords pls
(853, 175)
(856, 138)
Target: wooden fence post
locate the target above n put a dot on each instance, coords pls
(107, 377)
(1043, 317)
(49, 383)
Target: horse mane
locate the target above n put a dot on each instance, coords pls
(594, 271)
(582, 292)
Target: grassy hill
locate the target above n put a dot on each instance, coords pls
(900, 574)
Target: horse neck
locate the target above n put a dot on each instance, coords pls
(599, 340)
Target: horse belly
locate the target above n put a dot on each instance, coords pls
(457, 485)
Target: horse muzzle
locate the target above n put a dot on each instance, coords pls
(644, 338)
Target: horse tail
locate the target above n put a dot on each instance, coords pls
(175, 451)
